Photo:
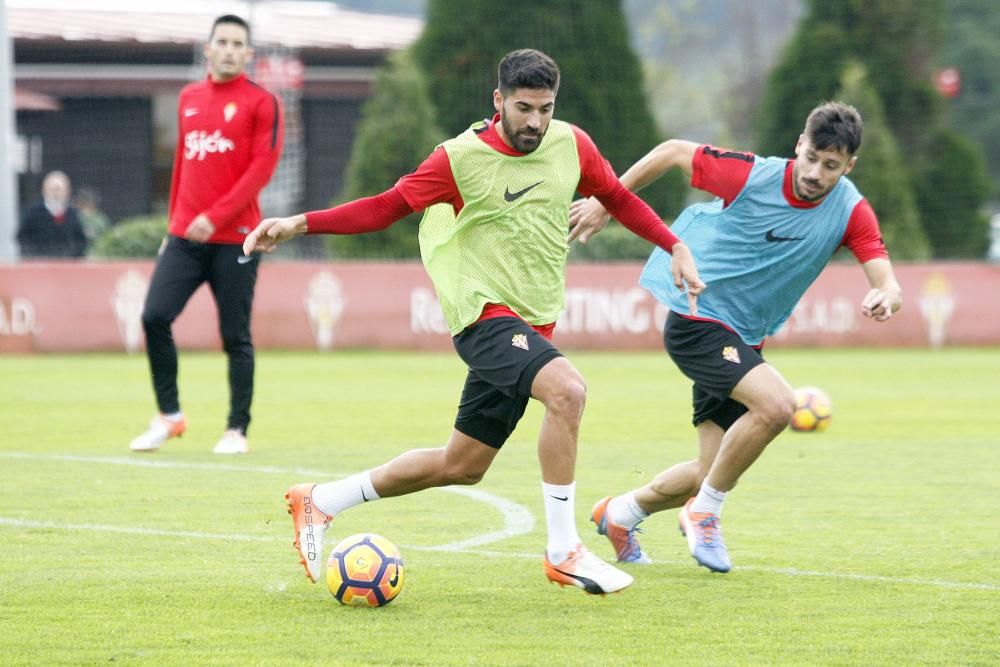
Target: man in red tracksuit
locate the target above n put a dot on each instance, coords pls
(229, 141)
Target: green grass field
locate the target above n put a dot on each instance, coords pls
(874, 543)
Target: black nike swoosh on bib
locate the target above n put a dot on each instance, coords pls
(778, 239)
(511, 196)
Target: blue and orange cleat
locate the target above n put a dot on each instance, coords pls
(622, 539)
(704, 537)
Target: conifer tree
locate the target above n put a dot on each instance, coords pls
(601, 88)
(880, 172)
(956, 187)
(396, 132)
(897, 42)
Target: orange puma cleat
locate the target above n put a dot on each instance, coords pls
(585, 570)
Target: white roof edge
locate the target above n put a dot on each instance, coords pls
(286, 22)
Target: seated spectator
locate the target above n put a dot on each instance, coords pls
(52, 227)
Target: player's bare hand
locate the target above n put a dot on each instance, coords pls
(877, 306)
(685, 274)
(200, 229)
(586, 218)
(272, 232)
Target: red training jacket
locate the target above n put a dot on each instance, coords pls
(228, 144)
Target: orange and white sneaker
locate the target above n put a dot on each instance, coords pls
(160, 430)
(310, 526)
(585, 570)
(622, 539)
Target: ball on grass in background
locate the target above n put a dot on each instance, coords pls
(365, 570)
(813, 410)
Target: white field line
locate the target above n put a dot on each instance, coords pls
(518, 521)
(237, 537)
(96, 528)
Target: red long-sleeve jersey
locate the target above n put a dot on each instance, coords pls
(724, 174)
(433, 183)
(228, 144)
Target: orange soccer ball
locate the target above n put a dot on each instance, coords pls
(813, 410)
(365, 570)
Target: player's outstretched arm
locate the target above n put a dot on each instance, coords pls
(671, 153)
(588, 216)
(685, 274)
(360, 216)
(272, 232)
(885, 296)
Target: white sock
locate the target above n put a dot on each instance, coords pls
(708, 500)
(625, 511)
(560, 503)
(174, 416)
(333, 498)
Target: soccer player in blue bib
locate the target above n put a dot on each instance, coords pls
(772, 228)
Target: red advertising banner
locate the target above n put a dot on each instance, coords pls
(82, 306)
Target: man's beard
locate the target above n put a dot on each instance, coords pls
(817, 194)
(524, 142)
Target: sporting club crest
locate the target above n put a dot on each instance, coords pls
(519, 340)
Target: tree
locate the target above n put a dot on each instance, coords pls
(601, 88)
(897, 41)
(972, 47)
(396, 132)
(807, 75)
(955, 188)
(881, 173)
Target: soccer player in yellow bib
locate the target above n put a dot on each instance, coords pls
(494, 240)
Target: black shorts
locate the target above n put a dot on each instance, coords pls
(715, 359)
(504, 354)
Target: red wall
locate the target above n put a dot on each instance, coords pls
(82, 306)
